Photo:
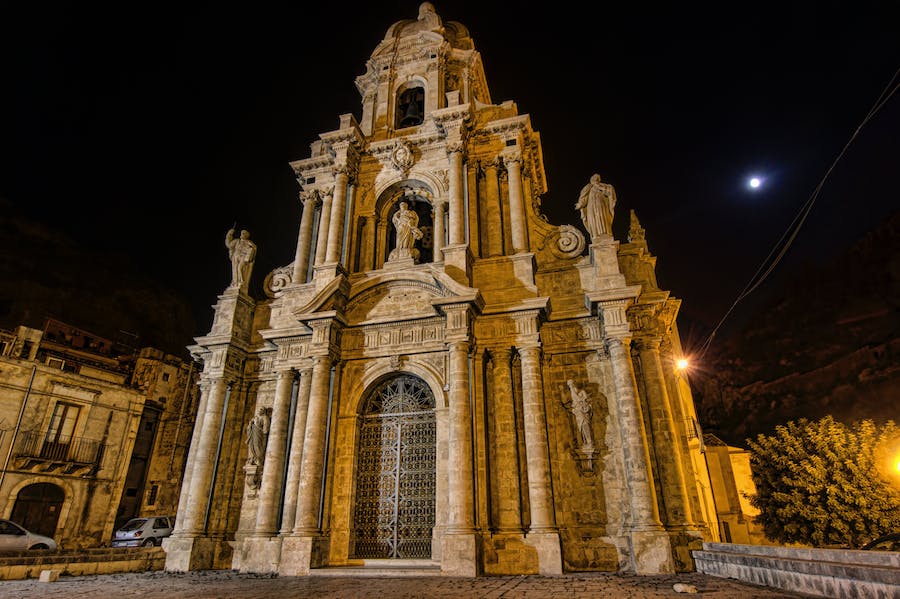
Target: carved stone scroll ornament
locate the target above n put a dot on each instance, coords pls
(569, 242)
(277, 280)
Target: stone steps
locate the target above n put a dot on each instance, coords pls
(388, 568)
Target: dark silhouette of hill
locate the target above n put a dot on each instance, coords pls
(828, 343)
(45, 274)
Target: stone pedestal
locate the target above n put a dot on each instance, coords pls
(458, 263)
(299, 554)
(261, 555)
(549, 552)
(460, 555)
(651, 552)
(184, 554)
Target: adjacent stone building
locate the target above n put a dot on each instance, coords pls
(89, 436)
(442, 378)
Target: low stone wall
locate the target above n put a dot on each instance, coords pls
(837, 573)
(30, 564)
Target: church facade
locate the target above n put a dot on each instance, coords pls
(441, 378)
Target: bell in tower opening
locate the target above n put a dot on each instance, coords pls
(411, 107)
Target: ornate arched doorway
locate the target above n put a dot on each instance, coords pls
(37, 508)
(395, 476)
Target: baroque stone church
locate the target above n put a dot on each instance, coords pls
(442, 379)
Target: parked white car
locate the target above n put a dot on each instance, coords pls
(144, 532)
(16, 538)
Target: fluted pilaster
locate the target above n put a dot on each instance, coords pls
(306, 520)
(204, 460)
(304, 239)
(506, 464)
(462, 507)
(457, 211)
(324, 220)
(516, 204)
(292, 480)
(645, 514)
(273, 466)
(537, 452)
(336, 226)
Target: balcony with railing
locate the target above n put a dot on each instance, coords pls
(63, 454)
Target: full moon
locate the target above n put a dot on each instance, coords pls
(755, 182)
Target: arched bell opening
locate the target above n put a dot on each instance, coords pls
(394, 506)
(410, 106)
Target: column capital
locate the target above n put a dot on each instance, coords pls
(455, 148)
(647, 342)
(612, 343)
(310, 197)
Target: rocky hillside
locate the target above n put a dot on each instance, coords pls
(830, 344)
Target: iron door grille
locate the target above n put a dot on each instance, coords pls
(394, 512)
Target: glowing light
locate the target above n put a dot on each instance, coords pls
(682, 364)
(754, 182)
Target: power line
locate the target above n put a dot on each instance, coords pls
(787, 238)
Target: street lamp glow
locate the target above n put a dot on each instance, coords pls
(682, 364)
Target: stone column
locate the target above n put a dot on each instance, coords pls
(494, 216)
(324, 220)
(516, 204)
(538, 455)
(645, 514)
(292, 481)
(181, 513)
(462, 509)
(457, 210)
(202, 467)
(438, 231)
(306, 520)
(304, 240)
(506, 463)
(665, 442)
(336, 226)
(367, 245)
(273, 466)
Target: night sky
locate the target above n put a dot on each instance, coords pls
(148, 129)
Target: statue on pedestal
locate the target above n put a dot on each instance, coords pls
(597, 204)
(242, 253)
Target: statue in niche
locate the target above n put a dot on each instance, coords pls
(580, 407)
(597, 204)
(257, 433)
(406, 223)
(242, 253)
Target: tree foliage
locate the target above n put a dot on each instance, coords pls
(825, 483)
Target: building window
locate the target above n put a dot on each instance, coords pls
(165, 376)
(60, 431)
(151, 497)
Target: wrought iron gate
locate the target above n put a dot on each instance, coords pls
(395, 484)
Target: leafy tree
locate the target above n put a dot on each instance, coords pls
(825, 483)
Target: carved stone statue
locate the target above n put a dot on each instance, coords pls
(406, 223)
(242, 253)
(257, 432)
(580, 407)
(597, 204)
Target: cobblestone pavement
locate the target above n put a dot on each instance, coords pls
(226, 584)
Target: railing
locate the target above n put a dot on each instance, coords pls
(33, 444)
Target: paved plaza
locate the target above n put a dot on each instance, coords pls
(226, 584)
